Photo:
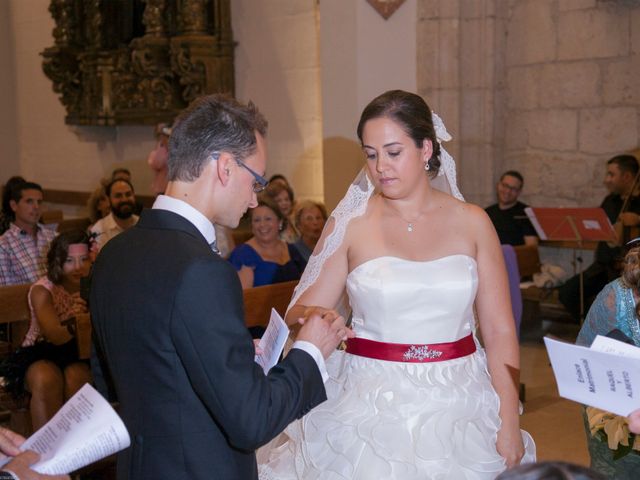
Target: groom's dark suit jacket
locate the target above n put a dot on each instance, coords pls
(167, 313)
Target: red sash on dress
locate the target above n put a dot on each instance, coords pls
(400, 352)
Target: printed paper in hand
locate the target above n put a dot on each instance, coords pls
(609, 380)
(616, 347)
(85, 430)
(272, 342)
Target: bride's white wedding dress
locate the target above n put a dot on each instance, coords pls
(396, 420)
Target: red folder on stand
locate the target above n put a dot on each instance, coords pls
(578, 224)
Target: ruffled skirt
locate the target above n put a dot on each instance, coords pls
(395, 420)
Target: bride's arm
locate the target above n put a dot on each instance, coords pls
(493, 305)
(325, 293)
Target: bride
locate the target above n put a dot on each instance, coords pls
(413, 396)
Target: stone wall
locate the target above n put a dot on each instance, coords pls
(548, 87)
(461, 51)
(573, 101)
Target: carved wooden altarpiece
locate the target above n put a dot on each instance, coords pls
(120, 62)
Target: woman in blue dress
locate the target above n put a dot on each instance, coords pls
(265, 259)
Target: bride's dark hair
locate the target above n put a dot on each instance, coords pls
(412, 113)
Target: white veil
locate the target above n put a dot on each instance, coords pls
(354, 204)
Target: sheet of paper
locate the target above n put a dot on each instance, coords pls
(616, 347)
(85, 430)
(604, 380)
(272, 342)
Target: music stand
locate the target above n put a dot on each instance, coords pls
(572, 224)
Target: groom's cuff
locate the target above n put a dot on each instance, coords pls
(315, 353)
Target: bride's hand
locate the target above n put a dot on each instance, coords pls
(510, 446)
(327, 313)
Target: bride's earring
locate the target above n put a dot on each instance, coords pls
(427, 167)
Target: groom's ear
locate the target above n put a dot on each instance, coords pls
(224, 167)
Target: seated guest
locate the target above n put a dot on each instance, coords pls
(279, 178)
(122, 201)
(265, 258)
(614, 313)
(550, 471)
(98, 205)
(6, 214)
(507, 216)
(158, 158)
(619, 180)
(121, 173)
(310, 218)
(24, 246)
(282, 195)
(47, 364)
(125, 174)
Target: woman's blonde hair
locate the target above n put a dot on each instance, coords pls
(92, 203)
(303, 205)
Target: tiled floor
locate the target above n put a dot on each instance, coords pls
(555, 423)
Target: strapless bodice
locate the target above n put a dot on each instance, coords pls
(404, 301)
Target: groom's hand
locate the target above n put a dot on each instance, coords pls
(325, 329)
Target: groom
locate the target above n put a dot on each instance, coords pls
(167, 313)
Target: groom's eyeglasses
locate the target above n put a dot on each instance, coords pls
(259, 185)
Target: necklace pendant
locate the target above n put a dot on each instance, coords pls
(410, 227)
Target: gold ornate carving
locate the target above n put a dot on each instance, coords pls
(386, 8)
(137, 61)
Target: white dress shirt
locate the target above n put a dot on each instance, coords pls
(106, 228)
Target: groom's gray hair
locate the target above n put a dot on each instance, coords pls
(214, 123)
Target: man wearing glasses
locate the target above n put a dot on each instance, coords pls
(168, 317)
(508, 217)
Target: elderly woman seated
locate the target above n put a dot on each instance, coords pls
(614, 313)
(265, 259)
(310, 218)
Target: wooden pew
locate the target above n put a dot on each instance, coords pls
(73, 224)
(528, 260)
(14, 313)
(51, 216)
(83, 335)
(258, 302)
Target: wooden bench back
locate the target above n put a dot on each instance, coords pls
(258, 302)
(528, 260)
(73, 224)
(51, 216)
(14, 311)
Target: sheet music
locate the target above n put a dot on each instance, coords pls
(272, 342)
(607, 379)
(85, 430)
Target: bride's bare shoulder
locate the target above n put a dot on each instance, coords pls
(469, 213)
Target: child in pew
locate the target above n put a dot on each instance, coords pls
(47, 363)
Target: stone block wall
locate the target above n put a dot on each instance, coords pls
(573, 78)
(547, 87)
